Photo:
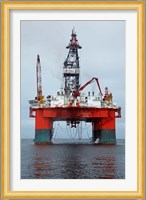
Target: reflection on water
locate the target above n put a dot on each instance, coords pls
(107, 167)
(72, 161)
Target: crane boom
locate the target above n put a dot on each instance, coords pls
(39, 79)
(77, 92)
(98, 86)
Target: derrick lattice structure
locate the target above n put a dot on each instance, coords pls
(39, 78)
(71, 71)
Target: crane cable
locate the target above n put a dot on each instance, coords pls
(70, 133)
(87, 130)
(56, 130)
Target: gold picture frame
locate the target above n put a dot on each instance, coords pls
(7, 6)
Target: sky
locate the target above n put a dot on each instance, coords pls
(103, 55)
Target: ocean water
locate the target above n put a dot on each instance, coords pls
(72, 159)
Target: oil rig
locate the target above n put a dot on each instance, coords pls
(72, 105)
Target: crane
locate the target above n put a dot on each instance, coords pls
(77, 92)
(39, 79)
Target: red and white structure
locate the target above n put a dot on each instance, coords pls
(72, 105)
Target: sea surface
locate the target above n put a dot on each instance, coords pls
(72, 159)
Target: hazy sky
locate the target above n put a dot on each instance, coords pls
(102, 56)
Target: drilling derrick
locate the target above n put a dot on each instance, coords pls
(72, 105)
(71, 66)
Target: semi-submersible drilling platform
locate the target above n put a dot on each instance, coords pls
(70, 104)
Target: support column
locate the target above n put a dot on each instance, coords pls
(104, 129)
(43, 128)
